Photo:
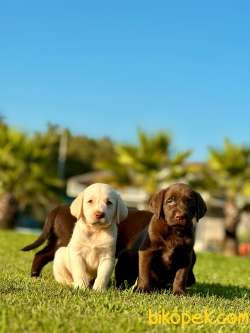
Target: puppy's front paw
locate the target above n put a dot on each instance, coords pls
(99, 287)
(79, 285)
(143, 288)
(178, 292)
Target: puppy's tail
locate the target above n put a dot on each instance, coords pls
(48, 225)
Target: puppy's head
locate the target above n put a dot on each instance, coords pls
(100, 205)
(178, 205)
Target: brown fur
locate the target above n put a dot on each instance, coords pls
(59, 226)
(163, 252)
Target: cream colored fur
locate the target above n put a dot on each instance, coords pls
(89, 258)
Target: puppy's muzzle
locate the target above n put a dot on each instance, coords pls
(181, 219)
(99, 215)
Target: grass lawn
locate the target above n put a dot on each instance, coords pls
(42, 305)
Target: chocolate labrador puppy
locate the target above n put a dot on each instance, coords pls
(163, 252)
(59, 226)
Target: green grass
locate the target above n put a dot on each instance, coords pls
(42, 305)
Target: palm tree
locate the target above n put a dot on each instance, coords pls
(27, 177)
(148, 163)
(227, 174)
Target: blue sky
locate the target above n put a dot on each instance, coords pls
(109, 67)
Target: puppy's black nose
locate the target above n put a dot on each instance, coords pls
(179, 217)
(99, 215)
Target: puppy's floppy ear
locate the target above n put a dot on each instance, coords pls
(76, 208)
(121, 209)
(201, 206)
(156, 202)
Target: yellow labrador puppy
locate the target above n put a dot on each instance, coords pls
(89, 258)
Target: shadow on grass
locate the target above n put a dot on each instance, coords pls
(217, 289)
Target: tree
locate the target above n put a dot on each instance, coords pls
(148, 163)
(227, 174)
(28, 179)
(84, 153)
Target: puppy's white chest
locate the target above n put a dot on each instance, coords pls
(92, 246)
(91, 256)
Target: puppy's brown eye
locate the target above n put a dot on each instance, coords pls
(170, 200)
(109, 203)
(90, 201)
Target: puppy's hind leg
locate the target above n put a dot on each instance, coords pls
(60, 267)
(41, 258)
